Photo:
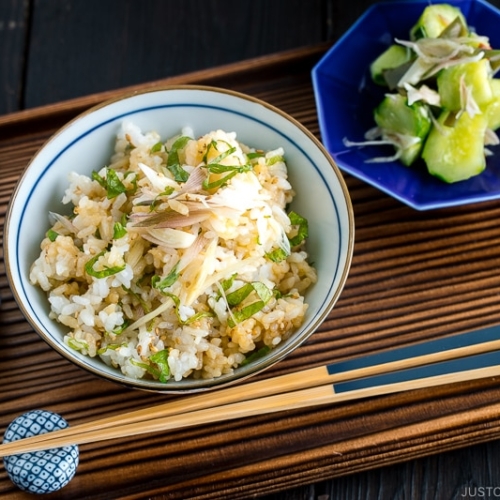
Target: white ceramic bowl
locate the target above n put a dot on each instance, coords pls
(86, 143)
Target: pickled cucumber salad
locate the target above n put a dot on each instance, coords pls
(442, 103)
(180, 257)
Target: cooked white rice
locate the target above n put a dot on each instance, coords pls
(180, 259)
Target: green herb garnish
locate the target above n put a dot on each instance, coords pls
(150, 369)
(161, 370)
(274, 159)
(302, 231)
(112, 183)
(215, 167)
(118, 231)
(228, 283)
(104, 273)
(110, 347)
(76, 344)
(197, 316)
(168, 191)
(256, 355)
(255, 154)
(277, 255)
(156, 148)
(169, 280)
(236, 298)
(52, 235)
(173, 163)
(160, 359)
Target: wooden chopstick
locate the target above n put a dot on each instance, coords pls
(362, 377)
(325, 394)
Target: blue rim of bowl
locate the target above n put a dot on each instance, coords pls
(241, 373)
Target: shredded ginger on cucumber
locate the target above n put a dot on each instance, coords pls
(442, 105)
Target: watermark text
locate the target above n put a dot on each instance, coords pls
(480, 492)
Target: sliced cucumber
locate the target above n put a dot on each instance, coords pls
(453, 144)
(455, 153)
(394, 114)
(492, 109)
(476, 76)
(392, 57)
(395, 117)
(434, 20)
(411, 153)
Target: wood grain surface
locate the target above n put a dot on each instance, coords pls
(60, 49)
(54, 50)
(414, 276)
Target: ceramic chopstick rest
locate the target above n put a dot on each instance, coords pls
(41, 471)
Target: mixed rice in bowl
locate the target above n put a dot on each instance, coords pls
(185, 238)
(179, 258)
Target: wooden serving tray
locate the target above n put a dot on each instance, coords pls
(414, 276)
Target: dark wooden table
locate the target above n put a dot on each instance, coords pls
(57, 57)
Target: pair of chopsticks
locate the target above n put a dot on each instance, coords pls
(463, 357)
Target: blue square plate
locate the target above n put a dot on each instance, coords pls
(345, 99)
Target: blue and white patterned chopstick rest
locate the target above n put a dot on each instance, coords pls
(41, 471)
